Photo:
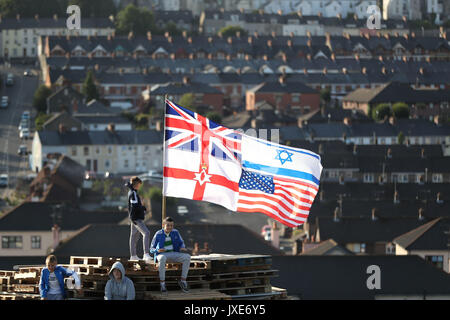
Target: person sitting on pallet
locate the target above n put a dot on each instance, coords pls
(119, 287)
(136, 212)
(166, 245)
(51, 284)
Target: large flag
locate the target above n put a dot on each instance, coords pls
(208, 162)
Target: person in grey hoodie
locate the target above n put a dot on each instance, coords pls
(119, 287)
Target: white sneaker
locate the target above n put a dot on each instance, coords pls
(135, 258)
(147, 257)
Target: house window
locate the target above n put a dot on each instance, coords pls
(12, 242)
(295, 98)
(74, 151)
(86, 151)
(368, 178)
(97, 150)
(126, 164)
(35, 242)
(437, 178)
(107, 164)
(437, 261)
(109, 150)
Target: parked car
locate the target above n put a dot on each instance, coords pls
(24, 124)
(182, 210)
(5, 102)
(27, 73)
(10, 79)
(22, 150)
(26, 115)
(24, 134)
(3, 180)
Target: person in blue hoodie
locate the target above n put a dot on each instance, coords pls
(51, 284)
(119, 287)
(168, 246)
(136, 213)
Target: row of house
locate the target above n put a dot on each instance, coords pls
(300, 23)
(249, 47)
(19, 37)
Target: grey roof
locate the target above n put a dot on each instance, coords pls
(226, 239)
(432, 236)
(31, 23)
(364, 230)
(345, 277)
(289, 87)
(327, 247)
(101, 119)
(179, 89)
(125, 137)
(37, 216)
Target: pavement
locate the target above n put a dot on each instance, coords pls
(21, 98)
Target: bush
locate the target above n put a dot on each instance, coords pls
(214, 116)
(188, 101)
(230, 31)
(40, 98)
(381, 111)
(400, 110)
(40, 120)
(400, 138)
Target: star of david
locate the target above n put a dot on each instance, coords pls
(284, 156)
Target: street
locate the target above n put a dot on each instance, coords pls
(20, 97)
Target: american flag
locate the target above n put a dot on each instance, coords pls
(208, 162)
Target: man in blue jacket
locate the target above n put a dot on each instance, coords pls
(51, 284)
(166, 245)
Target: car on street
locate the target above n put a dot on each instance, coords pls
(22, 151)
(24, 134)
(182, 210)
(4, 180)
(27, 73)
(26, 115)
(10, 79)
(24, 124)
(4, 102)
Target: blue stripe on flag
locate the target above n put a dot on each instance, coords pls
(170, 110)
(281, 171)
(286, 148)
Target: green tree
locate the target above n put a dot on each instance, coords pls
(41, 119)
(89, 88)
(141, 121)
(230, 31)
(94, 9)
(381, 111)
(187, 101)
(136, 20)
(172, 29)
(40, 98)
(214, 116)
(400, 110)
(400, 138)
(325, 95)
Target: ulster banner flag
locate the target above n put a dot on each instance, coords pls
(208, 162)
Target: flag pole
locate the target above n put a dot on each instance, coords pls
(163, 215)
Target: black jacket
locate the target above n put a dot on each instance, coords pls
(136, 210)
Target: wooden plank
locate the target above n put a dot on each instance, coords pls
(6, 273)
(26, 275)
(194, 294)
(89, 261)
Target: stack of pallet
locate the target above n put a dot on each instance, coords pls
(21, 285)
(211, 277)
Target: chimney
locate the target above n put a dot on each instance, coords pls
(300, 13)
(344, 70)
(61, 129)
(321, 195)
(56, 235)
(396, 197)
(305, 71)
(355, 149)
(439, 199)
(130, 35)
(184, 34)
(374, 214)
(172, 56)
(55, 17)
(341, 180)
(256, 34)
(324, 70)
(149, 35)
(347, 121)
(111, 128)
(275, 235)
(250, 40)
(357, 57)
(18, 17)
(230, 40)
(389, 153)
(96, 67)
(36, 17)
(282, 80)
(383, 70)
(421, 214)
(189, 40)
(392, 120)
(166, 34)
(336, 214)
(422, 153)
(364, 70)
(210, 40)
(269, 43)
(170, 39)
(274, 34)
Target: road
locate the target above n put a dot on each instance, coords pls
(21, 97)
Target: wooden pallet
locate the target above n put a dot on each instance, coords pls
(19, 296)
(90, 261)
(5, 273)
(25, 288)
(194, 294)
(243, 275)
(246, 290)
(31, 269)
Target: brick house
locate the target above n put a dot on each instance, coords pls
(284, 96)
